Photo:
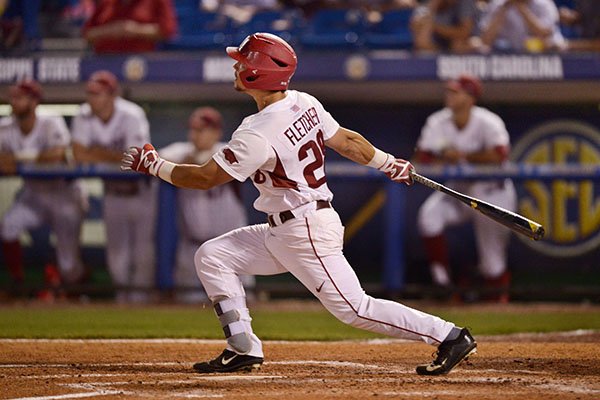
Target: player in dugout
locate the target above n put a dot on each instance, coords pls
(463, 133)
(282, 149)
(28, 137)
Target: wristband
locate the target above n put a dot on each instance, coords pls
(379, 159)
(164, 171)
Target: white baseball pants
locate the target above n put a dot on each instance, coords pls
(310, 247)
(440, 211)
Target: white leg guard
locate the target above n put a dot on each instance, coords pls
(235, 320)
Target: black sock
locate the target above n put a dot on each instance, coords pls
(454, 333)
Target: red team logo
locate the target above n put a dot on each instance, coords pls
(229, 156)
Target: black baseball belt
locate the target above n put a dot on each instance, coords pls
(287, 215)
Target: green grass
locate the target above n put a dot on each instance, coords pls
(187, 322)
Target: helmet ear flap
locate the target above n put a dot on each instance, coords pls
(269, 61)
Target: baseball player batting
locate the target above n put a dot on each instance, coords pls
(282, 149)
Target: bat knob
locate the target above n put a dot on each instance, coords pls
(539, 233)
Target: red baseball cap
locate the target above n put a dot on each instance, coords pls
(101, 81)
(28, 87)
(468, 83)
(206, 117)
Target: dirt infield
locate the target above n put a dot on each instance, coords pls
(564, 366)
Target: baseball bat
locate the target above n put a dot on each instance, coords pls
(515, 222)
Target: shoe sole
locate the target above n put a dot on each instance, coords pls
(251, 368)
(460, 361)
(245, 368)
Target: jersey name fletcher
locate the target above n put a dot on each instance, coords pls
(302, 126)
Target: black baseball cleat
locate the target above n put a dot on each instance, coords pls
(229, 361)
(449, 354)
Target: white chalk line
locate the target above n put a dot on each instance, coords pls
(71, 365)
(378, 341)
(71, 395)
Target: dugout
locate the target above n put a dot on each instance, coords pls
(547, 101)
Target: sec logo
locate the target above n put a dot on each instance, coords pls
(568, 209)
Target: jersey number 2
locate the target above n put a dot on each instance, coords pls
(318, 150)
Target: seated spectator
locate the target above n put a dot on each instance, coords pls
(521, 25)
(310, 7)
(64, 18)
(240, 11)
(19, 25)
(130, 26)
(444, 25)
(585, 19)
(375, 9)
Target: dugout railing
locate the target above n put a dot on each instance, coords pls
(393, 277)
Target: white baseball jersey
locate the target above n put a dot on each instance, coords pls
(48, 132)
(129, 207)
(282, 147)
(57, 202)
(127, 127)
(484, 130)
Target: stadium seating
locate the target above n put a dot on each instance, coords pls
(286, 24)
(334, 28)
(201, 30)
(392, 31)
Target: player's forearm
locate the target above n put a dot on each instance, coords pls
(191, 176)
(489, 156)
(53, 155)
(8, 163)
(352, 145)
(101, 32)
(145, 31)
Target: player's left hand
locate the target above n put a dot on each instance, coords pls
(398, 170)
(144, 160)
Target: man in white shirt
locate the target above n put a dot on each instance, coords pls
(105, 126)
(27, 137)
(282, 149)
(463, 133)
(521, 25)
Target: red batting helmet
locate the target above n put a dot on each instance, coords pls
(468, 83)
(269, 61)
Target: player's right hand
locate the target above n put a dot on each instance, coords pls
(398, 170)
(144, 160)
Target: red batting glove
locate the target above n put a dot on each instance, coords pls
(144, 160)
(398, 170)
